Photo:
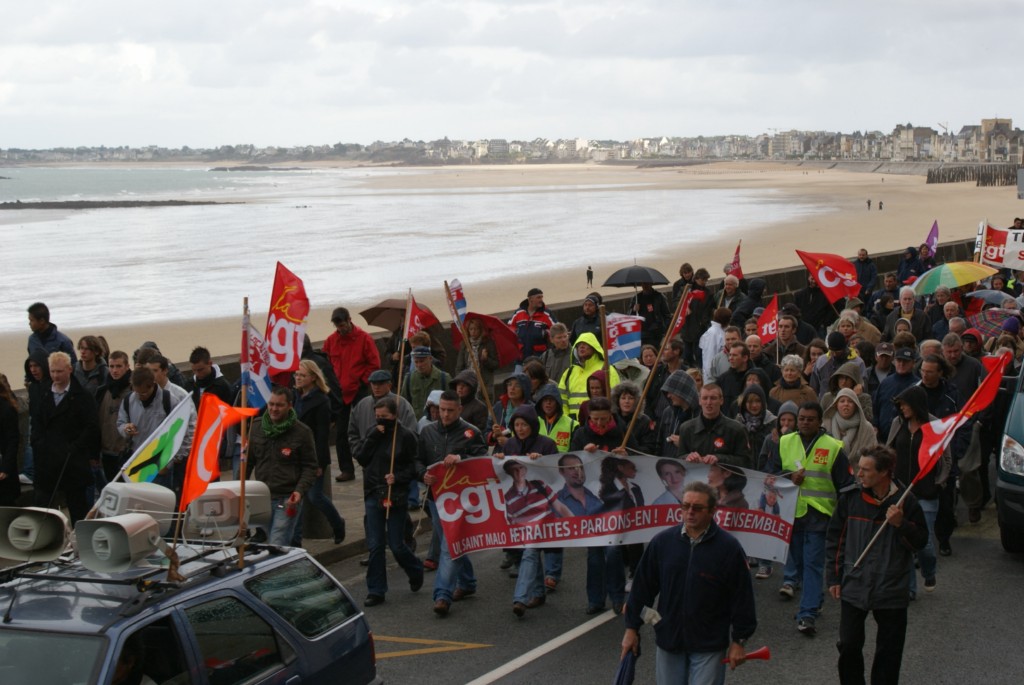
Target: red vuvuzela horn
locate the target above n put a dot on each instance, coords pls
(764, 654)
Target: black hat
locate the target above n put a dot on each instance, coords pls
(836, 341)
(906, 354)
(421, 351)
(380, 376)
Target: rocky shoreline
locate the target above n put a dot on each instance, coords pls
(109, 204)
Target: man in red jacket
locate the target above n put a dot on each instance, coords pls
(353, 354)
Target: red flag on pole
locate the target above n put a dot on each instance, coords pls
(936, 435)
(835, 276)
(684, 311)
(768, 322)
(417, 318)
(505, 340)
(734, 268)
(286, 323)
(214, 416)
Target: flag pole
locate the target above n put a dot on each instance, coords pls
(878, 532)
(650, 376)
(401, 366)
(472, 357)
(604, 342)
(244, 432)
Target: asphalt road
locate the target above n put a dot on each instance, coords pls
(967, 631)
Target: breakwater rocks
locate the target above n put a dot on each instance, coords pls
(257, 167)
(981, 174)
(109, 204)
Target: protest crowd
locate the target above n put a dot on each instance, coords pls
(835, 391)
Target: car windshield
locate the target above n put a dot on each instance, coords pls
(27, 656)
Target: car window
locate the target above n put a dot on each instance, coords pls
(303, 595)
(152, 652)
(234, 642)
(28, 657)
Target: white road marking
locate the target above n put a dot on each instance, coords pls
(547, 647)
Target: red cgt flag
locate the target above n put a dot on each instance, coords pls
(835, 276)
(214, 416)
(286, 323)
(768, 322)
(417, 318)
(734, 268)
(936, 435)
(691, 297)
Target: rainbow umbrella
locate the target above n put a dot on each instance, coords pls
(951, 275)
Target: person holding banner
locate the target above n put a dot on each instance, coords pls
(880, 584)
(712, 437)
(696, 576)
(142, 412)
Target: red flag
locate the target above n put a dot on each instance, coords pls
(768, 322)
(214, 416)
(994, 249)
(417, 318)
(691, 297)
(734, 268)
(835, 276)
(936, 435)
(286, 323)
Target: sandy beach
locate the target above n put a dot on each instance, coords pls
(910, 206)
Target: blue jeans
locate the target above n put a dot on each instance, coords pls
(530, 582)
(390, 530)
(316, 498)
(806, 562)
(414, 494)
(606, 575)
(686, 668)
(926, 557)
(282, 526)
(553, 563)
(451, 573)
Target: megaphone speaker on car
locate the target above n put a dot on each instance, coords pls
(115, 544)
(32, 533)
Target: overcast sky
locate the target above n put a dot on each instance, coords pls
(294, 72)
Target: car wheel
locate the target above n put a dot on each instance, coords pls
(1012, 538)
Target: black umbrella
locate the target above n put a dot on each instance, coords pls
(996, 297)
(635, 275)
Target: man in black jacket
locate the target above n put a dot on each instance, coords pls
(448, 440)
(880, 584)
(386, 485)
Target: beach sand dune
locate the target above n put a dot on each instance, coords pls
(844, 226)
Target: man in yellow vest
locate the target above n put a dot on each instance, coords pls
(816, 463)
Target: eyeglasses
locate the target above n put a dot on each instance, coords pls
(696, 508)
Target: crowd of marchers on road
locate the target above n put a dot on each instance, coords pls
(852, 385)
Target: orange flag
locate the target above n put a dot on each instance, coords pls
(203, 468)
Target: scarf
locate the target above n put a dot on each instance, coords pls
(752, 422)
(273, 430)
(116, 387)
(598, 429)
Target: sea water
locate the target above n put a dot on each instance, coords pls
(349, 243)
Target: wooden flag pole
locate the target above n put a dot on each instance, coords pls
(244, 432)
(604, 343)
(472, 357)
(650, 376)
(398, 394)
(878, 532)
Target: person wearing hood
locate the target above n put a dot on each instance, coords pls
(108, 400)
(531, 322)
(590, 321)
(45, 337)
(653, 306)
(556, 359)
(555, 423)
(680, 390)
(473, 410)
(91, 369)
(756, 418)
(588, 357)
(431, 410)
(744, 309)
(479, 343)
(839, 353)
(848, 376)
(756, 376)
(37, 382)
(815, 307)
(850, 323)
(785, 422)
(792, 387)
(889, 389)
(846, 420)
(910, 267)
(867, 273)
(597, 386)
(625, 403)
(905, 438)
(517, 393)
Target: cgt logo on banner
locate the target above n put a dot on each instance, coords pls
(286, 323)
(579, 499)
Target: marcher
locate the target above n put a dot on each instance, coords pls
(702, 623)
(588, 357)
(45, 337)
(879, 585)
(382, 477)
(531, 322)
(108, 400)
(10, 439)
(91, 369)
(282, 454)
(712, 437)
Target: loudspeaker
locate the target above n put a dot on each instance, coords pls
(216, 511)
(32, 533)
(114, 544)
(148, 498)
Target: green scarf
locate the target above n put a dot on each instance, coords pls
(272, 430)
